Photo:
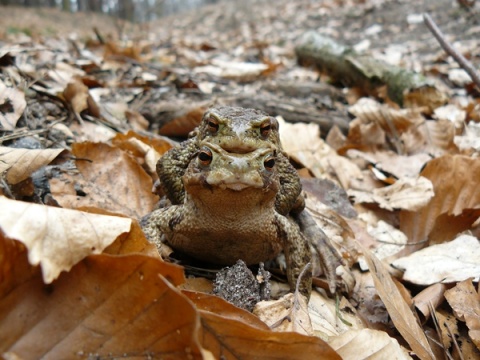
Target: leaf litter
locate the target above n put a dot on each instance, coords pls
(80, 140)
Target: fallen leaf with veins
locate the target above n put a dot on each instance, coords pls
(57, 238)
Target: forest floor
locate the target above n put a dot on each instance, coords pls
(89, 103)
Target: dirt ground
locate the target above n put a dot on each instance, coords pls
(382, 22)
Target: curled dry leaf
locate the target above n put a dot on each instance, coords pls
(289, 313)
(375, 120)
(453, 261)
(302, 142)
(235, 340)
(58, 238)
(215, 304)
(19, 164)
(399, 311)
(109, 178)
(12, 105)
(148, 149)
(429, 299)
(464, 300)
(76, 94)
(406, 193)
(106, 306)
(367, 344)
(455, 192)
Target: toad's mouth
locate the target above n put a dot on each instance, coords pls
(234, 186)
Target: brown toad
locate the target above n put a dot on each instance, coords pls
(236, 130)
(239, 130)
(229, 213)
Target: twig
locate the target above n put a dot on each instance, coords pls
(459, 58)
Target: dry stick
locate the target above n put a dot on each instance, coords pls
(459, 58)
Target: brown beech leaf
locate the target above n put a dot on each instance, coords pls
(399, 311)
(133, 242)
(184, 122)
(465, 302)
(231, 339)
(12, 105)
(448, 262)
(109, 178)
(374, 120)
(147, 149)
(76, 94)
(367, 344)
(429, 299)
(289, 313)
(19, 164)
(217, 305)
(106, 306)
(58, 238)
(406, 193)
(455, 190)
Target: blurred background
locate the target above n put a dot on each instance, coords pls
(132, 10)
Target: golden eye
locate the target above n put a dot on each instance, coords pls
(269, 163)
(266, 128)
(205, 156)
(212, 124)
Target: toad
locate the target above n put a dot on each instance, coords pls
(236, 130)
(229, 213)
(242, 131)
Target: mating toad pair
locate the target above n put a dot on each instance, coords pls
(235, 195)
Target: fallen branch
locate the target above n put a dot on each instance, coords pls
(459, 58)
(343, 64)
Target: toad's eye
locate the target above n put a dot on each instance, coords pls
(269, 163)
(212, 124)
(205, 156)
(266, 128)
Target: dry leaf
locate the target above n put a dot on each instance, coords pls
(448, 327)
(450, 113)
(240, 71)
(324, 314)
(109, 178)
(302, 142)
(106, 306)
(148, 149)
(454, 190)
(76, 94)
(389, 241)
(217, 305)
(456, 260)
(182, 124)
(58, 238)
(12, 105)
(440, 136)
(230, 339)
(367, 344)
(19, 164)
(397, 165)
(470, 139)
(465, 302)
(374, 120)
(401, 314)
(406, 193)
(289, 313)
(428, 299)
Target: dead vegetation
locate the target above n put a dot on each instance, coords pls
(394, 184)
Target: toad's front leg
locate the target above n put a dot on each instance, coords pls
(297, 255)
